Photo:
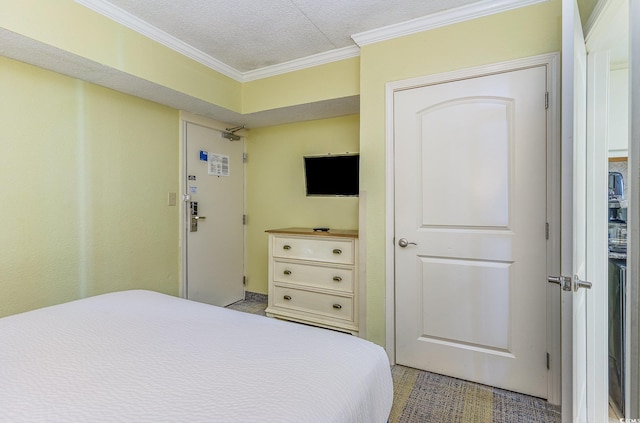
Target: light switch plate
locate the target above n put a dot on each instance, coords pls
(171, 199)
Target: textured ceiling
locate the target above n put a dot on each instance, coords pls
(247, 37)
(253, 34)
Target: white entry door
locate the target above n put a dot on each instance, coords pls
(470, 218)
(573, 217)
(214, 216)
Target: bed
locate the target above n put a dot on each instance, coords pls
(141, 356)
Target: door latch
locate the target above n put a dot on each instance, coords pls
(563, 281)
(193, 206)
(569, 284)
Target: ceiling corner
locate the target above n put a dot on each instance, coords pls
(302, 63)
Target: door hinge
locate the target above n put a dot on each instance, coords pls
(244, 219)
(546, 230)
(245, 157)
(244, 282)
(546, 100)
(548, 361)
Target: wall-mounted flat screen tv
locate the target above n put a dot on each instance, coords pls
(336, 175)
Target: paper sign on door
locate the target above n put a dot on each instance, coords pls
(218, 165)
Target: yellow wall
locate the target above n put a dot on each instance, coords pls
(73, 240)
(69, 26)
(519, 33)
(72, 27)
(324, 82)
(85, 173)
(275, 185)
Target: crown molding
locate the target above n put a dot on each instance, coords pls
(460, 14)
(136, 24)
(303, 63)
(440, 19)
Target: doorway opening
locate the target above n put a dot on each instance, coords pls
(607, 43)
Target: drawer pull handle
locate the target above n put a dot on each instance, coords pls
(337, 251)
(287, 272)
(337, 306)
(286, 247)
(287, 297)
(337, 278)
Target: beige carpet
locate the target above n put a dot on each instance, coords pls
(423, 397)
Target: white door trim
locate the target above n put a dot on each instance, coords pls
(598, 71)
(553, 130)
(186, 117)
(597, 252)
(633, 255)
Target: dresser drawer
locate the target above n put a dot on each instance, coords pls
(333, 306)
(325, 250)
(327, 277)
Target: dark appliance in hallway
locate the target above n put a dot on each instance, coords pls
(617, 290)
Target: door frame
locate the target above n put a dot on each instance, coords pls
(597, 251)
(551, 61)
(182, 201)
(633, 225)
(598, 71)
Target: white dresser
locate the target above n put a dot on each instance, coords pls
(313, 277)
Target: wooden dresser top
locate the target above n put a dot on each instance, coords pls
(345, 233)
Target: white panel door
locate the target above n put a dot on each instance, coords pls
(573, 216)
(215, 251)
(470, 199)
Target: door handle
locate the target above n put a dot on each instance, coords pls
(563, 281)
(193, 227)
(577, 283)
(402, 242)
(569, 284)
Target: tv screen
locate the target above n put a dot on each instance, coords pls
(332, 175)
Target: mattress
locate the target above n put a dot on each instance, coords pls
(141, 356)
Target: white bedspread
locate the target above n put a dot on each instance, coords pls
(140, 356)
